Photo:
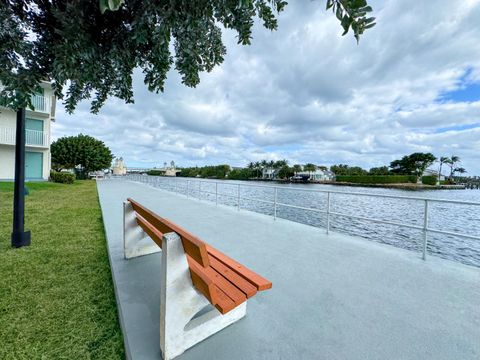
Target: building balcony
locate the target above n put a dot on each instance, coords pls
(41, 104)
(33, 138)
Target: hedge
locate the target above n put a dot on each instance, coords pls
(377, 179)
(62, 177)
(155, 172)
(429, 180)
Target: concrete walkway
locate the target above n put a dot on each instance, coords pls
(333, 297)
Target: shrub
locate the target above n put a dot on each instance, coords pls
(62, 177)
(429, 180)
(377, 179)
(240, 174)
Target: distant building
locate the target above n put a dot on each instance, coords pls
(269, 173)
(431, 172)
(318, 175)
(119, 167)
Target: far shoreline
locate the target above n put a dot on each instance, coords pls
(400, 186)
(412, 187)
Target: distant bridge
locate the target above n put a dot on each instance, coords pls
(137, 170)
(166, 170)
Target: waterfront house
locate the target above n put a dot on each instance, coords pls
(37, 140)
(269, 173)
(431, 172)
(317, 175)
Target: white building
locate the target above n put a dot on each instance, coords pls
(318, 175)
(431, 172)
(269, 173)
(38, 125)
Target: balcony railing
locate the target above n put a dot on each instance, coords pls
(32, 137)
(41, 103)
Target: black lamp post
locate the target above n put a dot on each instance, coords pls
(20, 237)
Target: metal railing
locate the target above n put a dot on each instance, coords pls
(32, 137)
(36, 138)
(41, 103)
(424, 228)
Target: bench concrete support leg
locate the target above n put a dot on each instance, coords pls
(135, 241)
(180, 302)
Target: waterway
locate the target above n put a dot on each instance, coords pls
(259, 197)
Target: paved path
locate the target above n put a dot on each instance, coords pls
(333, 297)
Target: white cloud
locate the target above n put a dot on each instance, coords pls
(309, 95)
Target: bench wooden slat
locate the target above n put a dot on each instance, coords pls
(243, 285)
(192, 245)
(202, 279)
(203, 283)
(252, 277)
(154, 234)
(226, 286)
(224, 303)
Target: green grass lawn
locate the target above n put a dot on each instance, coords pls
(56, 296)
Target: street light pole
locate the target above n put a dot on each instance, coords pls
(20, 237)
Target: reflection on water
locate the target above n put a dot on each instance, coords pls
(442, 216)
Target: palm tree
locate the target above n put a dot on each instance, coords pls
(454, 160)
(258, 168)
(443, 160)
(280, 163)
(460, 170)
(251, 167)
(297, 168)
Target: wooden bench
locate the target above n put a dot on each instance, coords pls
(194, 276)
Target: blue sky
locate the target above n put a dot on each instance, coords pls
(468, 90)
(307, 94)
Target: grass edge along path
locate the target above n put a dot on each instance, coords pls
(56, 296)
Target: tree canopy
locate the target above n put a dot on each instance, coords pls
(81, 152)
(343, 169)
(87, 50)
(413, 164)
(209, 171)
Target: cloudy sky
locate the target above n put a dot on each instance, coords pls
(307, 94)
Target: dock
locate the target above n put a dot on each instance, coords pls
(333, 297)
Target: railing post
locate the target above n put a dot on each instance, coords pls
(216, 193)
(238, 198)
(425, 230)
(275, 204)
(328, 213)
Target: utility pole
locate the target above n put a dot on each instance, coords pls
(20, 237)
